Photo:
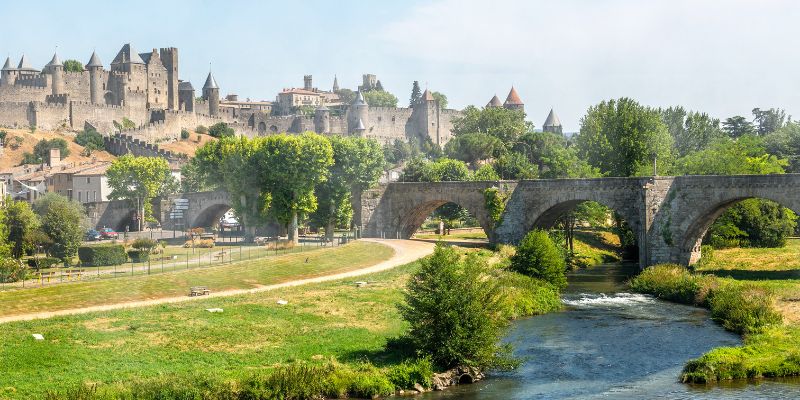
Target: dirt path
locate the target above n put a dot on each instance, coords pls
(405, 251)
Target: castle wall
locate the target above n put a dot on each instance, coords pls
(51, 116)
(14, 114)
(21, 94)
(387, 124)
(76, 84)
(102, 116)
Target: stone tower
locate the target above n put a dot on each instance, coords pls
(7, 75)
(427, 110)
(494, 102)
(307, 82)
(56, 69)
(357, 114)
(169, 57)
(322, 120)
(211, 95)
(335, 84)
(95, 68)
(552, 123)
(185, 96)
(513, 102)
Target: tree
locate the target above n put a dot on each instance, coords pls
(140, 180)
(473, 147)
(441, 99)
(397, 152)
(504, 124)
(753, 223)
(486, 173)
(552, 158)
(621, 138)
(416, 94)
(380, 98)
(538, 257)
(41, 151)
(220, 129)
(21, 221)
(785, 143)
(192, 180)
(346, 96)
(291, 167)
(90, 140)
(514, 166)
(64, 222)
(738, 126)
(73, 66)
(768, 121)
(454, 311)
(745, 156)
(357, 165)
(690, 131)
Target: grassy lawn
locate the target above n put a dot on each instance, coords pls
(455, 234)
(241, 275)
(596, 247)
(321, 322)
(753, 259)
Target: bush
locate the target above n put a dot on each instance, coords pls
(201, 129)
(220, 130)
(538, 257)
(144, 244)
(408, 373)
(199, 244)
(90, 139)
(184, 134)
(744, 308)
(12, 270)
(43, 262)
(526, 296)
(454, 311)
(102, 255)
(669, 282)
(139, 255)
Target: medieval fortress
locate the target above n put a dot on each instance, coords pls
(146, 89)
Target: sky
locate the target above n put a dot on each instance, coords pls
(723, 57)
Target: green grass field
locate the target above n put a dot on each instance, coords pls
(321, 321)
(241, 275)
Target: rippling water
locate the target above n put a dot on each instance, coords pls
(613, 345)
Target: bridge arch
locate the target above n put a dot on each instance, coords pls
(698, 221)
(209, 215)
(409, 223)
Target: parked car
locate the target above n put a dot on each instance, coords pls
(92, 235)
(108, 233)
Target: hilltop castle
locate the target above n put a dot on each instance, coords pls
(146, 89)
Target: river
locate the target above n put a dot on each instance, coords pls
(611, 344)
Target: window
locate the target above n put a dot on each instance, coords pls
(94, 196)
(79, 196)
(88, 179)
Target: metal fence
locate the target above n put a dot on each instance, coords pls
(172, 259)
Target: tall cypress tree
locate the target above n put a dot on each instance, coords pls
(416, 94)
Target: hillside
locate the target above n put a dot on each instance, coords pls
(186, 146)
(10, 156)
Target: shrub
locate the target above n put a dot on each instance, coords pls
(199, 244)
(102, 255)
(220, 130)
(526, 296)
(744, 308)
(139, 255)
(184, 134)
(669, 282)
(408, 373)
(201, 129)
(90, 139)
(12, 270)
(454, 311)
(43, 262)
(538, 257)
(144, 244)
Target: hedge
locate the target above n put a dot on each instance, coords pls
(43, 262)
(139, 255)
(102, 255)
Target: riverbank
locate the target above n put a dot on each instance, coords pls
(757, 300)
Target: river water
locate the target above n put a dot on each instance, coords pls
(609, 344)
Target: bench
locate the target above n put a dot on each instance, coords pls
(76, 273)
(45, 275)
(199, 291)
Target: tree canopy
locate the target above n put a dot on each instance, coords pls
(504, 124)
(140, 180)
(73, 66)
(380, 98)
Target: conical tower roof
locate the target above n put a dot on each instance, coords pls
(94, 61)
(552, 120)
(360, 125)
(513, 98)
(55, 62)
(335, 84)
(127, 55)
(211, 83)
(7, 66)
(427, 96)
(359, 101)
(24, 65)
(494, 102)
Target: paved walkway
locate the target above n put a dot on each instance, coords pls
(405, 251)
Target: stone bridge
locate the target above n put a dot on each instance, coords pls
(669, 215)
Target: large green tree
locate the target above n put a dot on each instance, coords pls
(380, 98)
(73, 66)
(768, 121)
(474, 147)
(552, 158)
(416, 94)
(690, 131)
(64, 222)
(743, 156)
(357, 165)
(785, 143)
(738, 126)
(291, 167)
(504, 124)
(622, 138)
(21, 222)
(440, 98)
(140, 180)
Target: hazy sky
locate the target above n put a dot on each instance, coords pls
(722, 57)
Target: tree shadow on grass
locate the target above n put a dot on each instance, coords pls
(396, 351)
(596, 240)
(754, 275)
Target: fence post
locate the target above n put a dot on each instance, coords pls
(187, 259)
(148, 265)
